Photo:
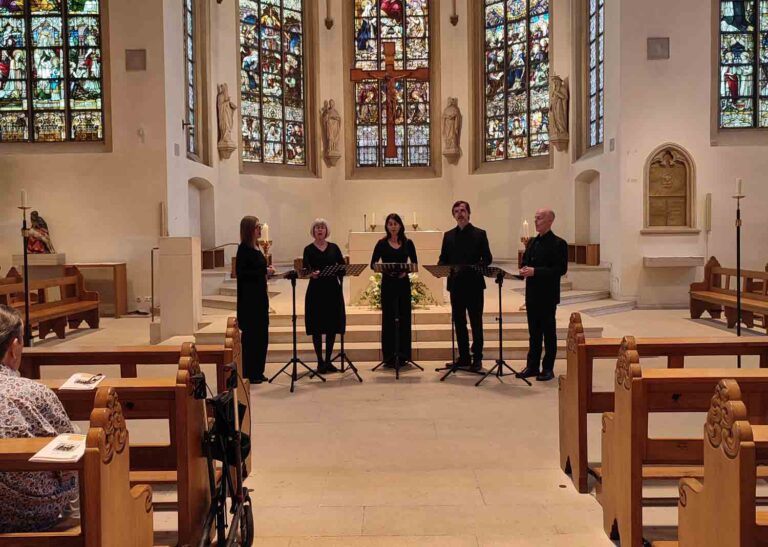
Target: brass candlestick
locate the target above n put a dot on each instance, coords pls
(265, 246)
(415, 226)
(373, 227)
(524, 240)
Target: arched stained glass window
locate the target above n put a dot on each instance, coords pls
(516, 79)
(272, 97)
(596, 70)
(743, 63)
(190, 76)
(391, 76)
(50, 71)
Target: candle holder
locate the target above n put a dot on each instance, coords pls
(373, 227)
(415, 226)
(265, 246)
(524, 240)
(25, 240)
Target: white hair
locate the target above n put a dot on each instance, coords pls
(319, 222)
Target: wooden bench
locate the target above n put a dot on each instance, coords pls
(721, 511)
(577, 398)
(181, 462)
(631, 456)
(112, 514)
(716, 293)
(74, 306)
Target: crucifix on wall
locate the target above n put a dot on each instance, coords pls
(390, 76)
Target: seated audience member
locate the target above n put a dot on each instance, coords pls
(34, 501)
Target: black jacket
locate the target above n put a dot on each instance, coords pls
(465, 247)
(548, 256)
(252, 298)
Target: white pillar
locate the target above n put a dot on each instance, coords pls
(179, 291)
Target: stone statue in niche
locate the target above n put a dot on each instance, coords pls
(668, 196)
(39, 241)
(558, 112)
(452, 130)
(331, 122)
(225, 109)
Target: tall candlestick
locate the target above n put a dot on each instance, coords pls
(23, 198)
(373, 219)
(738, 184)
(414, 218)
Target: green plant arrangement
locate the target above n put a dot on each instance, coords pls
(420, 295)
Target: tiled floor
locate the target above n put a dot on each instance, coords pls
(419, 462)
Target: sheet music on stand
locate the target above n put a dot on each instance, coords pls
(440, 270)
(393, 268)
(349, 270)
(494, 272)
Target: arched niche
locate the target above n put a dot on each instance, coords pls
(586, 204)
(202, 215)
(669, 190)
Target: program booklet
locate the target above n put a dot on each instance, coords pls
(83, 381)
(68, 447)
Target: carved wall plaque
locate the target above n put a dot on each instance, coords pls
(669, 188)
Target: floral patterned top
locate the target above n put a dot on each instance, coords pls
(32, 501)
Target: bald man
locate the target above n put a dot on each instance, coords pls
(545, 261)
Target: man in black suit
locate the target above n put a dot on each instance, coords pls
(462, 246)
(545, 261)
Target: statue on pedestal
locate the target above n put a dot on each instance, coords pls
(331, 123)
(39, 241)
(452, 130)
(558, 113)
(225, 109)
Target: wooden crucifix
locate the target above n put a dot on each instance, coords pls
(390, 76)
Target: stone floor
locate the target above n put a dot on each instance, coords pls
(419, 462)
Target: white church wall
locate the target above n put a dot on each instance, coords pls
(102, 205)
(669, 101)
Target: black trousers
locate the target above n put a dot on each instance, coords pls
(541, 324)
(468, 302)
(255, 340)
(396, 302)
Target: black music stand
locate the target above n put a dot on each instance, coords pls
(294, 361)
(498, 370)
(441, 271)
(389, 268)
(344, 270)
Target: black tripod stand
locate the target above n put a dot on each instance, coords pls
(294, 361)
(398, 359)
(499, 369)
(344, 270)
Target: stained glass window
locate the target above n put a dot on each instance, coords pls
(50, 71)
(190, 76)
(272, 100)
(405, 24)
(743, 98)
(516, 79)
(596, 70)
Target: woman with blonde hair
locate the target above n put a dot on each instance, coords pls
(324, 312)
(252, 301)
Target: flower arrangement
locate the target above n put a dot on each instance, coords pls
(420, 295)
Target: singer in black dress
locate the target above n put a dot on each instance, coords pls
(252, 300)
(324, 312)
(395, 290)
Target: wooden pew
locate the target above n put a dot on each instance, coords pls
(112, 514)
(182, 461)
(75, 305)
(630, 456)
(721, 511)
(577, 397)
(715, 294)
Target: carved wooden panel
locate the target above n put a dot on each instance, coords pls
(669, 189)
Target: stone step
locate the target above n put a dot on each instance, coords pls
(220, 302)
(565, 285)
(422, 351)
(576, 297)
(362, 316)
(608, 306)
(228, 290)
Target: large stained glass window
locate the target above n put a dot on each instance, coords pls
(516, 79)
(272, 96)
(392, 94)
(743, 63)
(596, 70)
(50, 71)
(190, 76)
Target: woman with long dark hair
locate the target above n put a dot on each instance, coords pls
(324, 312)
(395, 289)
(252, 301)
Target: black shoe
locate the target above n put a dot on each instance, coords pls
(476, 366)
(329, 368)
(528, 372)
(545, 376)
(263, 379)
(258, 380)
(322, 368)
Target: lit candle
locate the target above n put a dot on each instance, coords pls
(265, 232)
(23, 198)
(738, 183)
(526, 231)
(373, 219)
(414, 218)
